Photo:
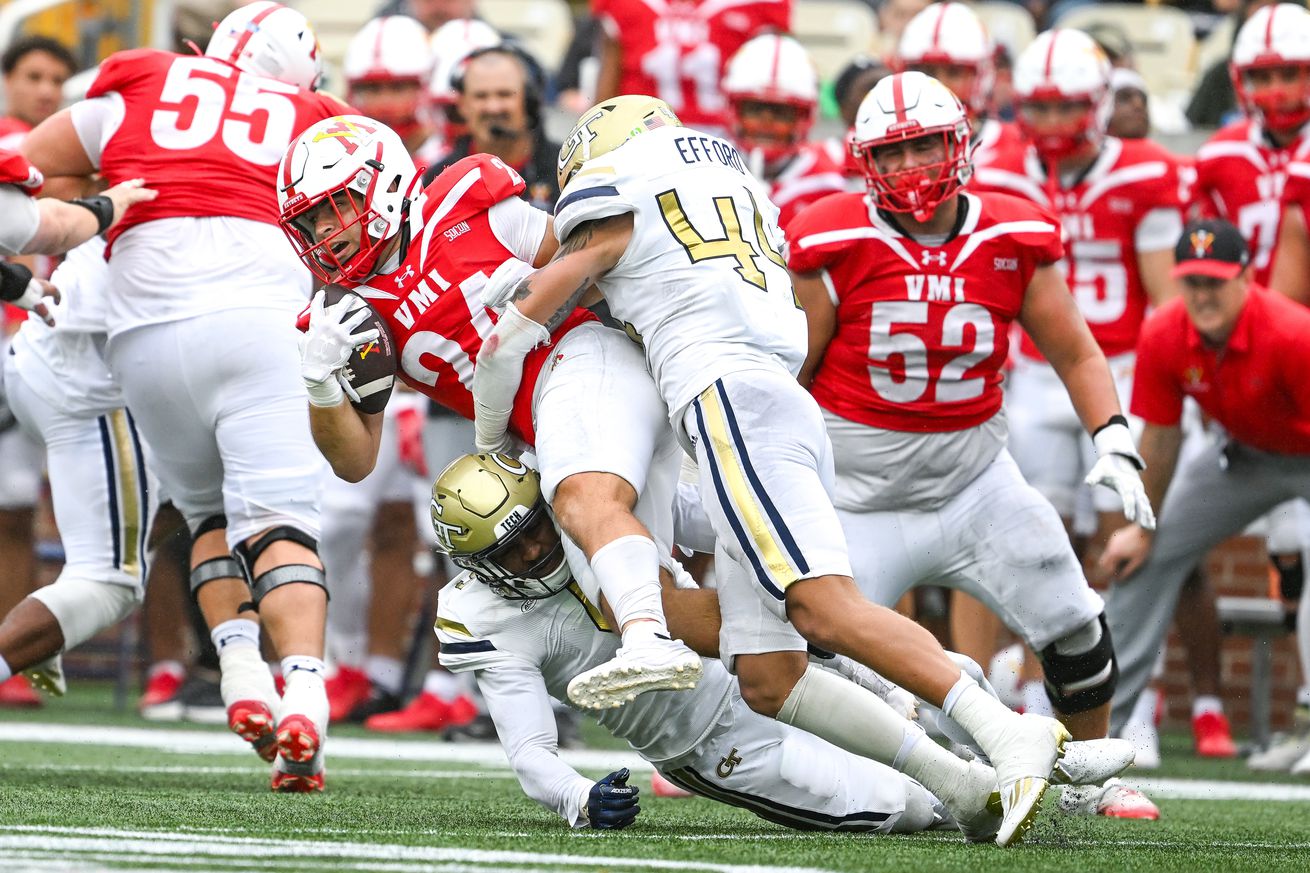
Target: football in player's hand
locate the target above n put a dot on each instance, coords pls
(371, 371)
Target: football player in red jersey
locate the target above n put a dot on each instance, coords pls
(949, 42)
(677, 50)
(201, 311)
(773, 99)
(387, 68)
(910, 293)
(431, 263)
(1120, 202)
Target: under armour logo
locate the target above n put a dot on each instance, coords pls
(939, 258)
(728, 764)
(404, 277)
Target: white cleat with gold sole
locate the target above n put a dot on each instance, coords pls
(655, 665)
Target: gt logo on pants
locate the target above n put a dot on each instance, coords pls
(728, 764)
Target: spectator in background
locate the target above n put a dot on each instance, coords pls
(35, 69)
(500, 101)
(849, 89)
(1131, 116)
(430, 13)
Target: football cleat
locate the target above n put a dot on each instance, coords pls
(297, 739)
(427, 712)
(48, 676)
(252, 720)
(16, 691)
(1091, 762)
(1114, 799)
(661, 787)
(290, 777)
(1213, 736)
(1288, 749)
(1024, 757)
(659, 664)
(160, 688)
(346, 689)
(976, 807)
(1301, 767)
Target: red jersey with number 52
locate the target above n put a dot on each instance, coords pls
(677, 50)
(1240, 176)
(1130, 200)
(922, 330)
(432, 300)
(205, 135)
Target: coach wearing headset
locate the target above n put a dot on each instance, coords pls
(500, 100)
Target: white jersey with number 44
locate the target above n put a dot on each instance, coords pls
(703, 285)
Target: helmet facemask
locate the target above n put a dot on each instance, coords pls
(772, 125)
(395, 101)
(501, 570)
(1068, 135)
(1277, 91)
(916, 190)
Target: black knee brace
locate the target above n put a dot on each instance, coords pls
(1083, 680)
(285, 574)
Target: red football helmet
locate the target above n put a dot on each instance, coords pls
(904, 107)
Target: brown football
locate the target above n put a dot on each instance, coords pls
(371, 370)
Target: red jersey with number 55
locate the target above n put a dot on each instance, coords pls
(677, 50)
(922, 330)
(432, 299)
(1129, 201)
(1240, 176)
(205, 135)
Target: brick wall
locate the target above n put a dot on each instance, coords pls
(1238, 568)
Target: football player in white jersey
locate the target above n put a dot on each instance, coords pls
(683, 244)
(518, 621)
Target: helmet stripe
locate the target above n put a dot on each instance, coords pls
(1269, 28)
(937, 28)
(777, 61)
(377, 45)
(898, 97)
(252, 27)
(1050, 53)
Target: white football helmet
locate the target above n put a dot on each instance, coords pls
(449, 46)
(773, 95)
(911, 106)
(1063, 66)
(269, 39)
(1273, 46)
(390, 50)
(362, 169)
(948, 35)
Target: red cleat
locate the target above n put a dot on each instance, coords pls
(1213, 736)
(347, 689)
(17, 692)
(252, 720)
(1124, 801)
(297, 739)
(427, 712)
(293, 783)
(160, 687)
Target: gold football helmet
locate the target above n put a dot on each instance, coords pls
(482, 505)
(608, 125)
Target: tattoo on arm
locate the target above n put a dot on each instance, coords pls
(579, 239)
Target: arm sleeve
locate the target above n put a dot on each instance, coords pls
(1156, 398)
(517, 701)
(519, 226)
(96, 120)
(19, 220)
(1159, 229)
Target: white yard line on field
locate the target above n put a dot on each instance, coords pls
(38, 842)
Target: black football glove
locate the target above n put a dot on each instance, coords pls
(612, 803)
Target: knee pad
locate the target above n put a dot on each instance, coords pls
(1081, 670)
(84, 607)
(285, 574)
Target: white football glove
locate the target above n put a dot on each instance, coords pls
(503, 281)
(1117, 467)
(327, 345)
(497, 376)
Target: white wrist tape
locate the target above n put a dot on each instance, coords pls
(325, 393)
(503, 280)
(1117, 439)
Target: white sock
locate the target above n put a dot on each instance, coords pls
(386, 673)
(628, 570)
(857, 720)
(244, 675)
(982, 715)
(1207, 703)
(235, 632)
(5, 672)
(1035, 701)
(1144, 709)
(304, 692)
(443, 684)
